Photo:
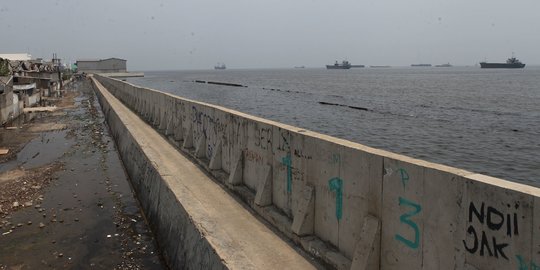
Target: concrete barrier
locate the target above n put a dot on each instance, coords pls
(353, 206)
(196, 223)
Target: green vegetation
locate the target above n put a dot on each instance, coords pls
(4, 67)
(67, 74)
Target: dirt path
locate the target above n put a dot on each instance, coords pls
(65, 201)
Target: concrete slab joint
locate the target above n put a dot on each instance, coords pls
(366, 252)
(236, 176)
(163, 121)
(215, 160)
(169, 130)
(155, 115)
(264, 189)
(178, 134)
(303, 221)
(200, 149)
(188, 138)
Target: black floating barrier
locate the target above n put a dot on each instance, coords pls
(226, 84)
(342, 105)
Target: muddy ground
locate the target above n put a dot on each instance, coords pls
(65, 200)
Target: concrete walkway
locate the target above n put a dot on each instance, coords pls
(240, 239)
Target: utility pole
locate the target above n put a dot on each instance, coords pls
(56, 63)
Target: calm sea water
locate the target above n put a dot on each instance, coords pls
(486, 121)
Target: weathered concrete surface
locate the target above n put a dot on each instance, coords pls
(337, 199)
(199, 225)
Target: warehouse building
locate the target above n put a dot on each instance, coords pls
(110, 65)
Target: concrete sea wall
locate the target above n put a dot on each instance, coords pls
(350, 205)
(171, 220)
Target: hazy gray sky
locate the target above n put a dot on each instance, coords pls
(196, 34)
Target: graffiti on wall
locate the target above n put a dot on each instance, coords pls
(263, 138)
(523, 265)
(407, 218)
(252, 156)
(336, 185)
(485, 224)
(283, 140)
(287, 161)
(210, 124)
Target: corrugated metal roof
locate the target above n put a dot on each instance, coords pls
(88, 60)
(24, 86)
(98, 60)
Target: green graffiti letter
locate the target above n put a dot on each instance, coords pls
(288, 163)
(336, 184)
(404, 176)
(405, 218)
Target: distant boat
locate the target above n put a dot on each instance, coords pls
(344, 65)
(421, 65)
(379, 66)
(300, 67)
(220, 66)
(510, 63)
(444, 65)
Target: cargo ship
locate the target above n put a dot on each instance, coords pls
(510, 63)
(444, 65)
(344, 65)
(220, 66)
(421, 65)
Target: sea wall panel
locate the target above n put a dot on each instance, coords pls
(427, 216)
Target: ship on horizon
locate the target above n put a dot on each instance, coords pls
(444, 65)
(344, 65)
(421, 65)
(511, 62)
(220, 66)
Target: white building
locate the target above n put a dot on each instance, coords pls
(16, 56)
